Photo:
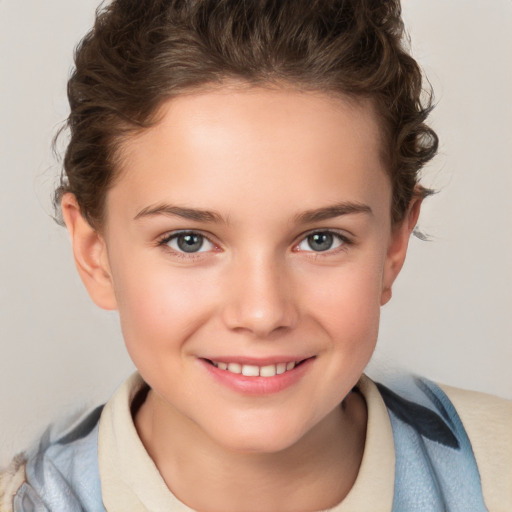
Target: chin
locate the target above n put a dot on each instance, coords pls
(265, 438)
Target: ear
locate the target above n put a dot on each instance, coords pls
(90, 252)
(397, 248)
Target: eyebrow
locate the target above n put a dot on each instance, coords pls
(330, 212)
(186, 213)
(307, 217)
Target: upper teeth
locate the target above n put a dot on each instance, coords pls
(254, 371)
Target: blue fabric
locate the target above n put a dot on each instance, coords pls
(435, 471)
(63, 476)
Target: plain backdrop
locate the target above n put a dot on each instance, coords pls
(451, 315)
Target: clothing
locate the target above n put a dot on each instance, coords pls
(419, 456)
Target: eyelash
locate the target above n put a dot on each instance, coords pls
(164, 241)
(345, 242)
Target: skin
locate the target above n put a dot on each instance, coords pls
(261, 160)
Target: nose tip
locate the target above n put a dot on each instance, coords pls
(261, 322)
(261, 302)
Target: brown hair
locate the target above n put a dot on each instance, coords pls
(141, 53)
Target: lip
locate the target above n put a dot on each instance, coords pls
(257, 361)
(258, 385)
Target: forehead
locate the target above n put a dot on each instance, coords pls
(258, 144)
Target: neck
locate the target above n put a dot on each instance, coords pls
(316, 472)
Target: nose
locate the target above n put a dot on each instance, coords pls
(260, 298)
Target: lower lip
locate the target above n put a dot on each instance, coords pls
(258, 385)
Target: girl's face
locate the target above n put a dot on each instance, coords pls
(250, 229)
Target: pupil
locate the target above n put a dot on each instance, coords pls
(190, 242)
(320, 241)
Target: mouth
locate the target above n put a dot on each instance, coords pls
(244, 375)
(250, 370)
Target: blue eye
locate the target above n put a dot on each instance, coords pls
(188, 242)
(322, 241)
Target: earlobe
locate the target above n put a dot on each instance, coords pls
(397, 249)
(90, 253)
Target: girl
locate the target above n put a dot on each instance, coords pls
(241, 184)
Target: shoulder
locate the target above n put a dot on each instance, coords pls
(60, 473)
(459, 442)
(11, 479)
(488, 423)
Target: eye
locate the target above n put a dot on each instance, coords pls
(322, 241)
(188, 242)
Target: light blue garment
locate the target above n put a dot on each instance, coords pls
(436, 469)
(64, 476)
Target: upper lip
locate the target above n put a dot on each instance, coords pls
(259, 361)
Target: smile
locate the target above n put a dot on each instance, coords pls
(250, 370)
(244, 376)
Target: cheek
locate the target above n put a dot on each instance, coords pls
(346, 302)
(347, 293)
(160, 307)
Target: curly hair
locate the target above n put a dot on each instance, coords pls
(140, 54)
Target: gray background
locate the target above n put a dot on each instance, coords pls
(450, 317)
